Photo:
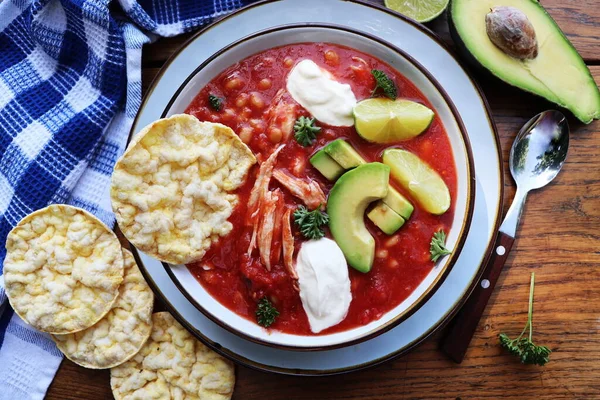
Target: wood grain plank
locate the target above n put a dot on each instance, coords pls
(558, 240)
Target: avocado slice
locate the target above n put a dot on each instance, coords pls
(385, 218)
(344, 154)
(398, 203)
(348, 200)
(326, 165)
(556, 73)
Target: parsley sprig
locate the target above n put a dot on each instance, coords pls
(266, 313)
(384, 84)
(523, 347)
(306, 131)
(311, 222)
(215, 102)
(437, 248)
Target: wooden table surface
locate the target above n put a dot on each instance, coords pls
(559, 239)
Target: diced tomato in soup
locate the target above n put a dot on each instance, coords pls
(250, 91)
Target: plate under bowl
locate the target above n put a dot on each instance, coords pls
(444, 108)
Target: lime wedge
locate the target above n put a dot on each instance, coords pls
(423, 183)
(419, 10)
(383, 120)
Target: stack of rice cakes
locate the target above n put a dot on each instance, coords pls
(66, 273)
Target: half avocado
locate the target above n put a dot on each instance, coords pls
(554, 70)
(346, 205)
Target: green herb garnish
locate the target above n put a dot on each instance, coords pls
(437, 248)
(215, 102)
(385, 84)
(266, 313)
(311, 222)
(306, 131)
(523, 347)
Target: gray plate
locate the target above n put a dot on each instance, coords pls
(427, 49)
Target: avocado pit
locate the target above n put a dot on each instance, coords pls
(512, 32)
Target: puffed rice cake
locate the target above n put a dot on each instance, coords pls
(122, 332)
(62, 269)
(173, 365)
(171, 188)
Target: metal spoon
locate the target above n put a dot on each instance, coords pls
(537, 155)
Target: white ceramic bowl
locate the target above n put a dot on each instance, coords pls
(444, 108)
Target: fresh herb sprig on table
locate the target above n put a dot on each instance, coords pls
(216, 103)
(385, 84)
(266, 313)
(311, 222)
(306, 131)
(437, 247)
(523, 347)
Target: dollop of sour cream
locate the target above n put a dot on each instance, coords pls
(328, 100)
(324, 283)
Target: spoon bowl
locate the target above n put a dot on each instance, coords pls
(539, 150)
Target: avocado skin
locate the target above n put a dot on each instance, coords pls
(475, 69)
(462, 48)
(465, 53)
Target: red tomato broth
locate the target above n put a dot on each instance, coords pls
(238, 281)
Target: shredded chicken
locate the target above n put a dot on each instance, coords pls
(287, 241)
(309, 192)
(252, 245)
(282, 113)
(298, 166)
(261, 185)
(279, 210)
(259, 191)
(265, 231)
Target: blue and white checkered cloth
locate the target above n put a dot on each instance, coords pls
(70, 86)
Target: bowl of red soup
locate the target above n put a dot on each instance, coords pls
(361, 196)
